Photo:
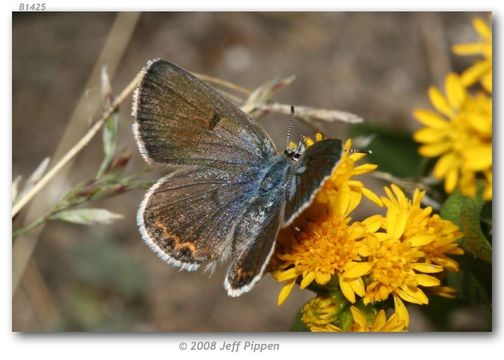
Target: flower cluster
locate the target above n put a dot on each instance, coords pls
(459, 132)
(355, 265)
(481, 70)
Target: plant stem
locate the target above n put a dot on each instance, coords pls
(77, 147)
(224, 83)
(30, 227)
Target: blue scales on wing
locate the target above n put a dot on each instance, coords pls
(188, 217)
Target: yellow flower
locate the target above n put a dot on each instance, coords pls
(460, 135)
(320, 313)
(326, 314)
(378, 323)
(320, 249)
(444, 243)
(323, 242)
(439, 236)
(398, 258)
(481, 70)
(341, 191)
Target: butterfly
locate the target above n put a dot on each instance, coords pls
(228, 191)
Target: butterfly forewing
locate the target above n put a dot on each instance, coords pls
(182, 120)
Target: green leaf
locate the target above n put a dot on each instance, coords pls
(466, 213)
(473, 281)
(109, 137)
(451, 208)
(88, 216)
(394, 152)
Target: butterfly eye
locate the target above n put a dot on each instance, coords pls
(293, 154)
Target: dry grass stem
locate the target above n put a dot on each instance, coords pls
(314, 113)
(223, 83)
(77, 147)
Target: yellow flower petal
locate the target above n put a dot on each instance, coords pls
(373, 223)
(307, 279)
(308, 141)
(444, 291)
(322, 278)
(430, 119)
(319, 136)
(445, 163)
(401, 311)
(427, 268)
(371, 196)
(380, 320)
(439, 102)
(421, 239)
(482, 123)
(358, 317)
(430, 135)
(399, 226)
(401, 198)
(285, 275)
(433, 150)
(285, 292)
(413, 295)
(357, 156)
(451, 180)
(486, 81)
(363, 169)
(358, 286)
(482, 28)
(472, 74)
(357, 270)
(478, 158)
(346, 289)
(455, 91)
(344, 198)
(354, 201)
(468, 49)
(427, 280)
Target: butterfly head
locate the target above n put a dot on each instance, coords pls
(293, 151)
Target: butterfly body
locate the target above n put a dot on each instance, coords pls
(228, 191)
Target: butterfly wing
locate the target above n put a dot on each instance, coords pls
(309, 174)
(255, 234)
(180, 120)
(254, 244)
(188, 217)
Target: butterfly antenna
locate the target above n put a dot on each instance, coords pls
(369, 152)
(289, 127)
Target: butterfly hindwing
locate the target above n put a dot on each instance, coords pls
(253, 245)
(182, 120)
(306, 178)
(188, 217)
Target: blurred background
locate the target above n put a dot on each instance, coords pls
(103, 278)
